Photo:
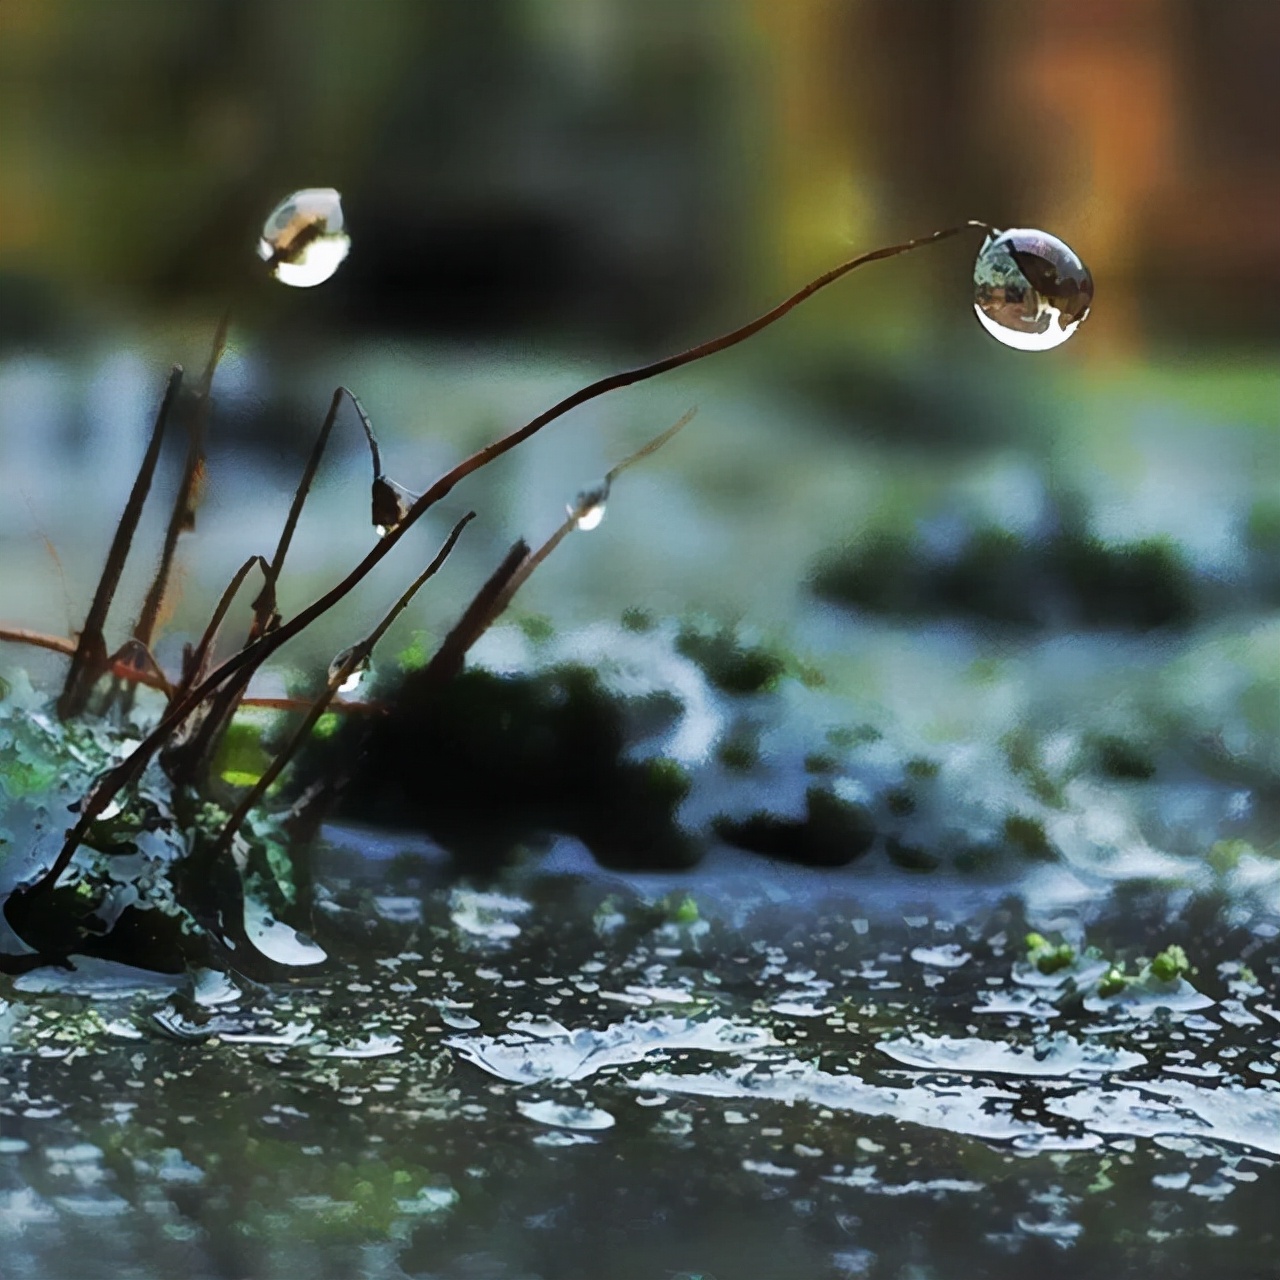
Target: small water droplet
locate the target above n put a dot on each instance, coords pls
(1030, 290)
(391, 503)
(353, 677)
(587, 509)
(303, 241)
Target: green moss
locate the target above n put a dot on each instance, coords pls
(1049, 957)
(242, 756)
(853, 735)
(488, 764)
(900, 801)
(537, 627)
(921, 768)
(1028, 837)
(831, 833)
(416, 654)
(327, 725)
(638, 620)
(997, 576)
(729, 664)
(1121, 758)
(1170, 965)
(1224, 855)
(739, 754)
(685, 911)
(911, 857)
(1113, 982)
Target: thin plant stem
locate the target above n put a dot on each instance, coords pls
(186, 760)
(89, 658)
(652, 447)
(136, 653)
(195, 663)
(252, 655)
(447, 660)
(182, 516)
(531, 562)
(265, 605)
(356, 657)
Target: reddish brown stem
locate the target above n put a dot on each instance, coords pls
(185, 761)
(123, 670)
(356, 657)
(199, 656)
(254, 654)
(264, 606)
(447, 660)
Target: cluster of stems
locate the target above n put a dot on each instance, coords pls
(202, 700)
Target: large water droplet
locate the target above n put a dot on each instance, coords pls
(303, 241)
(587, 509)
(1030, 290)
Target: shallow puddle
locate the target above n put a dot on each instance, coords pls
(568, 1076)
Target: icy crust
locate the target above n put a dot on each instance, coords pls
(556, 1053)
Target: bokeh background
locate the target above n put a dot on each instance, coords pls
(542, 190)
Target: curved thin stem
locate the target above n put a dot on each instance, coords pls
(357, 655)
(255, 653)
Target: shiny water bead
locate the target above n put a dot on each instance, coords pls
(587, 509)
(353, 677)
(1030, 290)
(303, 241)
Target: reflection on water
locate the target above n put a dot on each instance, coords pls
(791, 1083)
(752, 1067)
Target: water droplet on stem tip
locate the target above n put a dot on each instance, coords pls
(1030, 290)
(353, 677)
(587, 509)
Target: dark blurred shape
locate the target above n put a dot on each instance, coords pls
(1068, 580)
(832, 833)
(495, 763)
(615, 170)
(729, 664)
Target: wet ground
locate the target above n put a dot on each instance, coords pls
(758, 1071)
(1017, 713)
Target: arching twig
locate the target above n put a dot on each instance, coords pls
(354, 659)
(256, 653)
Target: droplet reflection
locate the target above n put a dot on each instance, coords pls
(1030, 290)
(587, 509)
(303, 241)
(353, 677)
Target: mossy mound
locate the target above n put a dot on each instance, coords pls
(832, 832)
(1068, 580)
(490, 763)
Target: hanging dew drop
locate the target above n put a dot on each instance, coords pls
(353, 677)
(1030, 290)
(303, 241)
(587, 509)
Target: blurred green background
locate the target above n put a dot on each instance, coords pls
(541, 190)
(596, 167)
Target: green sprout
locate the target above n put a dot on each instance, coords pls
(685, 911)
(1170, 965)
(1049, 957)
(1113, 982)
